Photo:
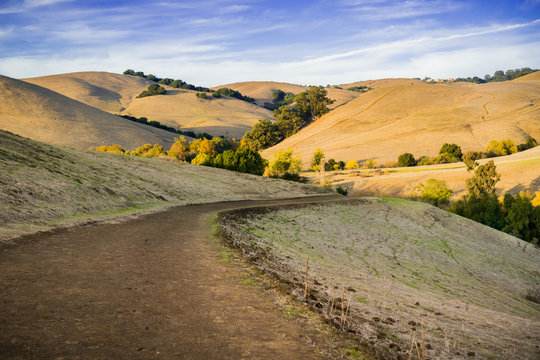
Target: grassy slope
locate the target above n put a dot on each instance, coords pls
(418, 118)
(44, 115)
(117, 93)
(43, 185)
(106, 91)
(262, 91)
(518, 172)
(408, 262)
(224, 116)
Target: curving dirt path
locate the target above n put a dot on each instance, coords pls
(148, 288)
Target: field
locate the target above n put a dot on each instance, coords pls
(44, 186)
(519, 172)
(399, 269)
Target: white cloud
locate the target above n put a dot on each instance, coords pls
(29, 4)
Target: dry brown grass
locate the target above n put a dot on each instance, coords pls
(44, 115)
(106, 91)
(261, 91)
(418, 118)
(117, 93)
(224, 116)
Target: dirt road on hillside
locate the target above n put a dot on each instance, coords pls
(148, 288)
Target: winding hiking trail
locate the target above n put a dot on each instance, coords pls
(152, 287)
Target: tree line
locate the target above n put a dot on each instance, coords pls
(214, 152)
(157, 124)
(499, 75)
(178, 84)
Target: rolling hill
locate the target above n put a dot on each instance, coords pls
(42, 114)
(224, 116)
(117, 93)
(411, 116)
(106, 91)
(262, 91)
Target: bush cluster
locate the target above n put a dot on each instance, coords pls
(499, 75)
(153, 89)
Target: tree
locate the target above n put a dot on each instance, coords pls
(147, 150)
(451, 149)
(153, 89)
(202, 159)
(501, 148)
(484, 180)
(406, 159)
(435, 192)
(318, 156)
(341, 165)
(469, 159)
(370, 164)
(288, 121)
(248, 161)
(285, 162)
(352, 164)
(312, 103)
(179, 149)
(331, 163)
(129, 72)
(522, 218)
(263, 135)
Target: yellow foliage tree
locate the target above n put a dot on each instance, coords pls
(352, 164)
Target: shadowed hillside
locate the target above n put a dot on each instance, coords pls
(41, 114)
(106, 91)
(43, 185)
(418, 118)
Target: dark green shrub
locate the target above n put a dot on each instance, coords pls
(406, 159)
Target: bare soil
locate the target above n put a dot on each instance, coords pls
(155, 287)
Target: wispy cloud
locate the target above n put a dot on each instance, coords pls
(20, 7)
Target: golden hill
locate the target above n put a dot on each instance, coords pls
(117, 93)
(41, 114)
(224, 116)
(262, 91)
(106, 91)
(418, 118)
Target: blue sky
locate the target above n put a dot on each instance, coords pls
(307, 42)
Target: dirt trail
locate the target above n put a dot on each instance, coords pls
(148, 288)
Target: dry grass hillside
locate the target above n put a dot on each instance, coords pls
(42, 114)
(519, 172)
(117, 93)
(44, 186)
(106, 91)
(387, 270)
(262, 91)
(224, 116)
(418, 118)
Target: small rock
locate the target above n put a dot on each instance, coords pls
(471, 353)
(417, 303)
(429, 347)
(412, 323)
(376, 319)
